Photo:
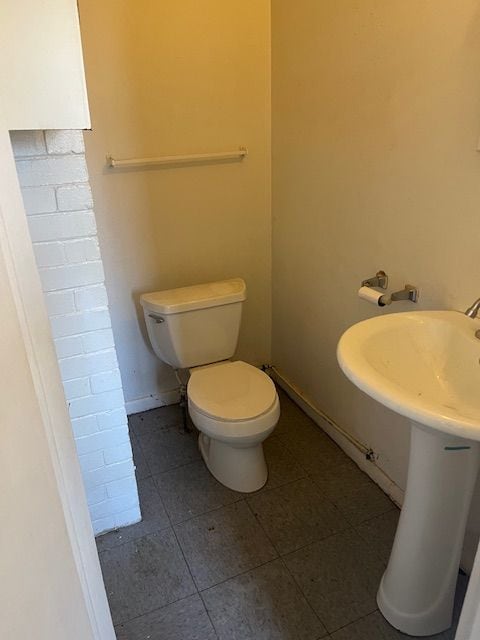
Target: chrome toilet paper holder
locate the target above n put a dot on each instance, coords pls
(380, 279)
(409, 292)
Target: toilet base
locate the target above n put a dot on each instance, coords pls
(241, 469)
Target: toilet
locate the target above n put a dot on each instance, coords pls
(233, 404)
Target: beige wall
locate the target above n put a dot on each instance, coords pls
(170, 78)
(376, 116)
(40, 586)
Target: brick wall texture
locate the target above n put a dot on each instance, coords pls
(53, 177)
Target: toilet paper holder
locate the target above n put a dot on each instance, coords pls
(380, 279)
(409, 292)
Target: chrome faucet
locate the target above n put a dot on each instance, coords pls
(473, 310)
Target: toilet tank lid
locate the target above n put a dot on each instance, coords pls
(199, 296)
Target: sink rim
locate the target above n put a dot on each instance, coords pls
(358, 370)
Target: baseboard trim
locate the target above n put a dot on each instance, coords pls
(354, 449)
(146, 403)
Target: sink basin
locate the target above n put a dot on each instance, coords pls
(424, 365)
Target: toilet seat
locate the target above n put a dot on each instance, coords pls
(233, 402)
(231, 391)
(239, 433)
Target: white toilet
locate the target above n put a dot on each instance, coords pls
(233, 404)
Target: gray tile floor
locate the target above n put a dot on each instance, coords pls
(299, 560)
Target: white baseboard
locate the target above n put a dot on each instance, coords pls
(153, 401)
(352, 447)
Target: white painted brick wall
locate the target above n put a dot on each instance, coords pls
(74, 197)
(58, 200)
(88, 365)
(71, 275)
(82, 250)
(91, 297)
(62, 226)
(59, 302)
(80, 323)
(39, 200)
(49, 254)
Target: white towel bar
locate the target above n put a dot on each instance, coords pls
(198, 158)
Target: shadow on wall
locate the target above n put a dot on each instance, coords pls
(141, 319)
(164, 373)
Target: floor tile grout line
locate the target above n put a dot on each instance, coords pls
(165, 428)
(245, 496)
(301, 464)
(369, 481)
(285, 447)
(135, 539)
(283, 444)
(185, 559)
(150, 611)
(155, 475)
(237, 575)
(169, 526)
(159, 429)
(347, 460)
(260, 492)
(180, 466)
(345, 626)
(161, 500)
(282, 558)
(331, 504)
(262, 528)
(316, 541)
(152, 473)
(208, 614)
(307, 477)
(239, 499)
(280, 555)
(283, 563)
(194, 581)
(187, 464)
(204, 513)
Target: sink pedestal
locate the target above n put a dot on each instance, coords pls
(417, 590)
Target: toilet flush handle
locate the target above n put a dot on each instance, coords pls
(158, 319)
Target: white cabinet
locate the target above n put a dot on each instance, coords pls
(42, 80)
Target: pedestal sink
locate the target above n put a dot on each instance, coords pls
(424, 365)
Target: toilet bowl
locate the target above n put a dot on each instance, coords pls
(235, 407)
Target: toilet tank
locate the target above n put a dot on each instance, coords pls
(195, 325)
